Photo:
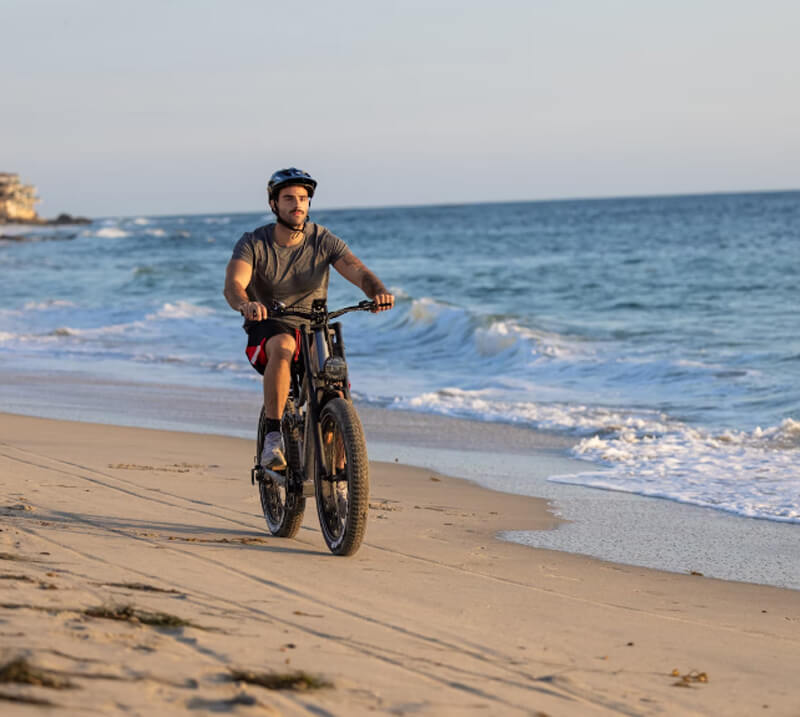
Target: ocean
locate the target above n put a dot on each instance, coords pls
(660, 335)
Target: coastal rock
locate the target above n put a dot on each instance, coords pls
(69, 219)
(17, 200)
(18, 204)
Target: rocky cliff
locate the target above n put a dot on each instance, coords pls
(18, 204)
(17, 200)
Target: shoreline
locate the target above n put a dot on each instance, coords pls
(624, 528)
(432, 615)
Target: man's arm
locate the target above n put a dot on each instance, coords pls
(237, 278)
(353, 269)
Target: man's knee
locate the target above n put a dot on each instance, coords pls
(280, 348)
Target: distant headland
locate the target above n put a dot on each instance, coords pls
(18, 204)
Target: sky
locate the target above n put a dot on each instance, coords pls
(118, 107)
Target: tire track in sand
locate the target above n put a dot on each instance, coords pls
(394, 657)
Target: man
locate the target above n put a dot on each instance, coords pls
(287, 261)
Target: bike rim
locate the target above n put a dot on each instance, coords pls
(334, 483)
(273, 499)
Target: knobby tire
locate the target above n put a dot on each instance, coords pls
(283, 509)
(342, 503)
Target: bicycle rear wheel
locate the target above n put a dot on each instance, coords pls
(341, 484)
(282, 504)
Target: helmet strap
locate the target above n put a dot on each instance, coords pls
(290, 227)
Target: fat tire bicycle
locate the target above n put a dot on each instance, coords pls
(326, 454)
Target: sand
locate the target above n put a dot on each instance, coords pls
(433, 616)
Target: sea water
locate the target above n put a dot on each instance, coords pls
(661, 335)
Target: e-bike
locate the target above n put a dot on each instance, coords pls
(326, 454)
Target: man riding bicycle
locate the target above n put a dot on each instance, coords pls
(287, 261)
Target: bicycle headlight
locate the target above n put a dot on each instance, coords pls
(335, 369)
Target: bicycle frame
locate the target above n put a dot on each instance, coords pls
(326, 454)
(315, 387)
(319, 383)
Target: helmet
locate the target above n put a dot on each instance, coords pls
(286, 177)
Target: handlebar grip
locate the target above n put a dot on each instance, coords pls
(371, 304)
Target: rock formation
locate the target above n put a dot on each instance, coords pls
(17, 200)
(18, 204)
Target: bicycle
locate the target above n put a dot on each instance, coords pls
(326, 454)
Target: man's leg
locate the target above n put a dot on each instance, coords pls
(277, 378)
(277, 375)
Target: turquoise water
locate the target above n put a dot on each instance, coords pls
(661, 333)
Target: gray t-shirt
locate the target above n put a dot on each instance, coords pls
(295, 275)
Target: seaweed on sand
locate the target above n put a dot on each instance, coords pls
(143, 587)
(124, 613)
(129, 613)
(297, 680)
(25, 699)
(689, 678)
(20, 671)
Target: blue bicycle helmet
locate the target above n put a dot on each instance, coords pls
(287, 177)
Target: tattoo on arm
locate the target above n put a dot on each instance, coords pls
(356, 272)
(371, 285)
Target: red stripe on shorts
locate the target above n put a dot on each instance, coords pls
(256, 354)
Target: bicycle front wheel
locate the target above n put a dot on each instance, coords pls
(341, 484)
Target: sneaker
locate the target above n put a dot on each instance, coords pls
(272, 456)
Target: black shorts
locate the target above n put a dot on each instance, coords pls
(258, 333)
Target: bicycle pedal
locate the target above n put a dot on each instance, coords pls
(272, 477)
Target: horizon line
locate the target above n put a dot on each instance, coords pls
(594, 198)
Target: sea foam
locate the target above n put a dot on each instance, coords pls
(751, 473)
(754, 474)
(180, 310)
(111, 233)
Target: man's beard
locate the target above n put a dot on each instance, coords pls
(294, 222)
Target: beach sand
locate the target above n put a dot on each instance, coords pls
(433, 616)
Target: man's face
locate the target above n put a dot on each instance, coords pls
(292, 205)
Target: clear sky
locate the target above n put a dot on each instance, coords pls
(174, 106)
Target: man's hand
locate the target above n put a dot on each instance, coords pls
(384, 302)
(253, 311)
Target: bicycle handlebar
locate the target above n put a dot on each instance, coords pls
(365, 305)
